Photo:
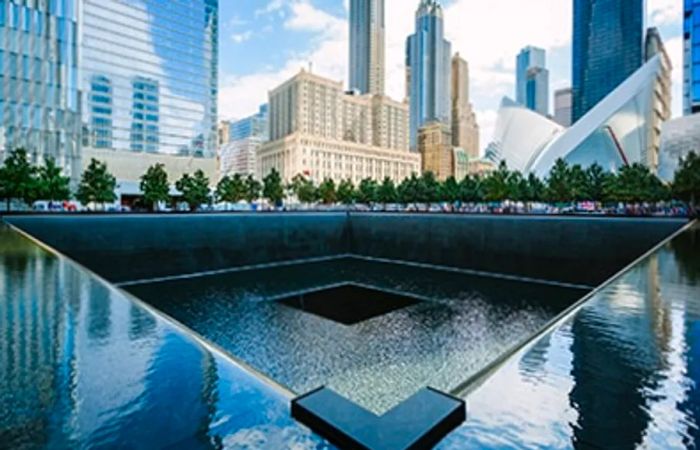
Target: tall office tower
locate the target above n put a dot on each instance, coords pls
(465, 130)
(607, 48)
(367, 46)
(252, 126)
(151, 73)
(660, 101)
(532, 80)
(318, 130)
(691, 60)
(39, 99)
(435, 146)
(428, 56)
(563, 102)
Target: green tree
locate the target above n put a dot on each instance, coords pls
(536, 190)
(686, 184)
(471, 189)
(155, 186)
(635, 184)
(97, 185)
(386, 193)
(450, 191)
(517, 187)
(598, 182)
(428, 188)
(496, 184)
(253, 188)
(327, 192)
(578, 182)
(367, 191)
(272, 188)
(18, 178)
(558, 184)
(346, 192)
(409, 190)
(194, 189)
(52, 184)
(231, 189)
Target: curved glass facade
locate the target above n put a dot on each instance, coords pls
(607, 48)
(39, 99)
(149, 72)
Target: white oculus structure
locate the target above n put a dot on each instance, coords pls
(621, 129)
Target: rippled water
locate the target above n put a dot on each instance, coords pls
(464, 323)
(622, 373)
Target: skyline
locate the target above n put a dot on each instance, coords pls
(316, 31)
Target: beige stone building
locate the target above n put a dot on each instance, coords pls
(318, 130)
(223, 132)
(435, 146)
(465, 130)
(661, 101)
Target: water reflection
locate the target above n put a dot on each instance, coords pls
(81, 366)
(622, 373)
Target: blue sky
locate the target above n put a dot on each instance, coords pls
(264, 42)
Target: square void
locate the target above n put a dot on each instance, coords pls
(348, 304)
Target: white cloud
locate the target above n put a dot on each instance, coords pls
(241, 37)
(270, 7)
(665, 12)
(485, 36)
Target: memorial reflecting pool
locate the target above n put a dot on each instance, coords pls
(86, 364)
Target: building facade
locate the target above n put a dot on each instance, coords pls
(240, 156)
(318, 130)
(253, 126)
(661, 100)
(367, 46)
(465, 130)
(40, 95)
(532, 79)
(621, 129)
(149, 75)
(691, 57)
(428, 65)
(608, 40)
(563, 103)
(223, 132)
(435, 146)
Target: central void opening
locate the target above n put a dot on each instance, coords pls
(348, 303)
(375, 332)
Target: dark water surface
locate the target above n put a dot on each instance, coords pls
(622, 373)
(462, 323)
(82, 366)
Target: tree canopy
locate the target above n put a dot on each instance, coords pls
(194, 189)
(155, 186)
(272, 188)
(97, 185)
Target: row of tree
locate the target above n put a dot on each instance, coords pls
(19, 179)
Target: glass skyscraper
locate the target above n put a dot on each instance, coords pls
(367, 46)
(149, 75)
(691, 38)
(40, 99)
(607, 48)
(532, 80)
(256, 125)
(428, 65)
